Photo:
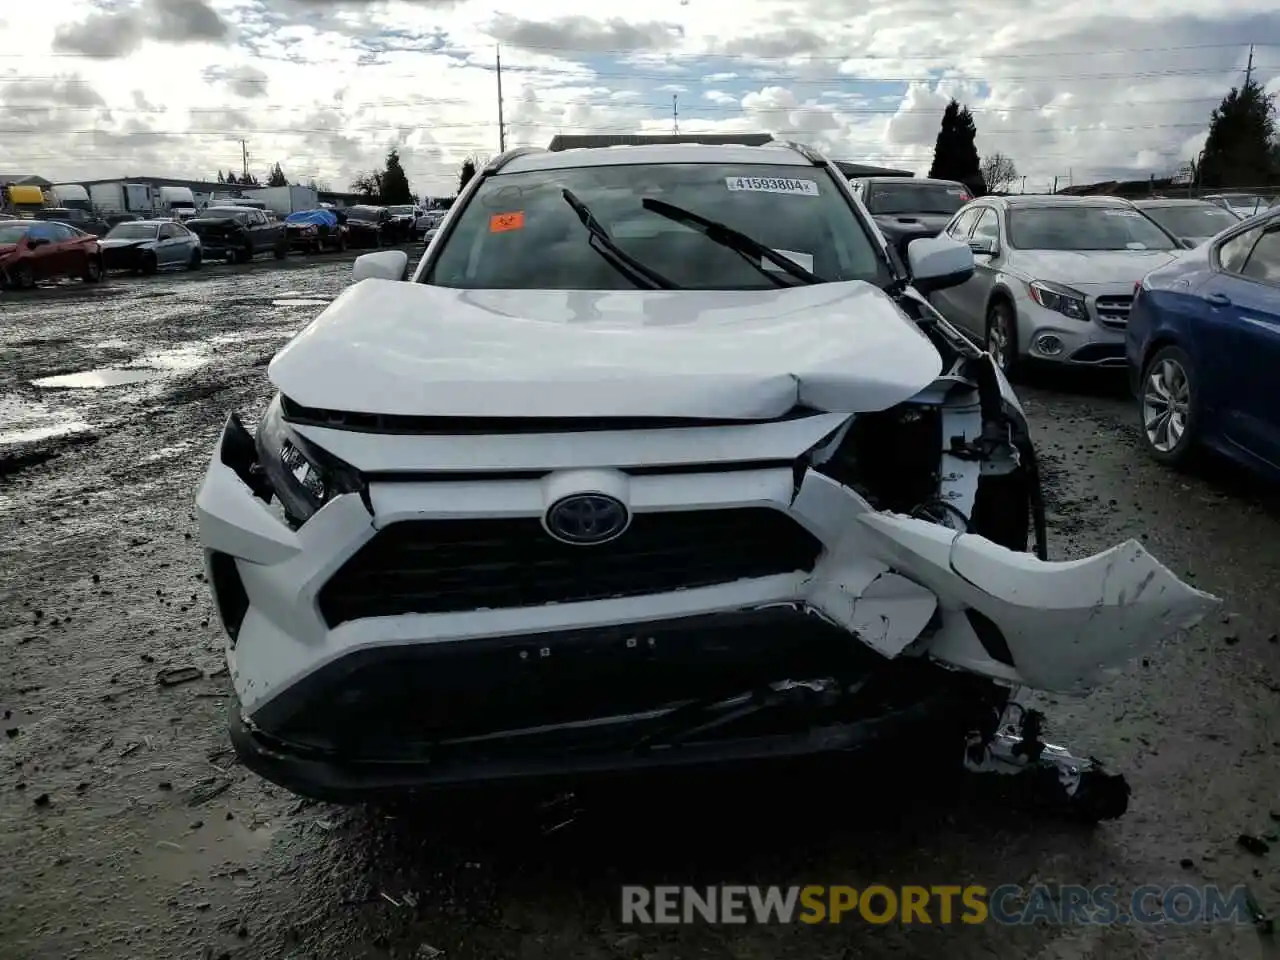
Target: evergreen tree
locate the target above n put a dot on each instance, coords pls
(395, 184)
(1238, 151)
(221, 177)
(277, 178)
(231, 177)
(955, 152)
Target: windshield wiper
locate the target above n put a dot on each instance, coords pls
(619, 259)
(735, 240)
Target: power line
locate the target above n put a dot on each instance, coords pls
(710, 55)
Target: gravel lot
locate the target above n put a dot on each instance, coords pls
(128, 832)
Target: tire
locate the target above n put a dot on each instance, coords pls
(196, 260)
(245, 253)
(149, 264)
(93, 270)
(342, 243)
(1002, 338)
(1169, 406)
(23, 278)
(281, 251)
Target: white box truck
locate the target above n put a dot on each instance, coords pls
(177, 202)
(117, 197)
(283, 201)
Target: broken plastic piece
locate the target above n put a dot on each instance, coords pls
(172, 676)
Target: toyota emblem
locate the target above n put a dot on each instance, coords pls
(585, 519)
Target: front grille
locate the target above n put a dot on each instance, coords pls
(1113, 311)
(443, 566)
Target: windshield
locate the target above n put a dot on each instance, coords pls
(132, 231)
(400, 211)
(914, 197)
(518, 232)
(13, 232)
(1085, 228)
(1192, 221)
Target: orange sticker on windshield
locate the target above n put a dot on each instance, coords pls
(503, 222)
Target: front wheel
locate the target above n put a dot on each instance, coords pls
(281, 251)
(92, 270)
(149, 263)
(195, 260)
(1002, 338)
(245, 254)
(23, 277)
(1168, 406)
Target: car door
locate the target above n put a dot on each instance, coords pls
(947, 302)
(51, 254)
(1243, 354)
(168, 245)
(971, 297)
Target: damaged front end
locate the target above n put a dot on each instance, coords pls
(399, 616)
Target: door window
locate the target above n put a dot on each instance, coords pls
(988, 227)
(1233, 254)
(169, 232)
(1264, 262)
(963, 224)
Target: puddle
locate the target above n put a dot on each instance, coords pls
(299, 302)
(255, 336)
(112, 345)
(164, 453)
(97, 379)
(43, 433)
(149, 367)
(27, 422)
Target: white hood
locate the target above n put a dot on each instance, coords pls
(394, 347)
(1076, 269)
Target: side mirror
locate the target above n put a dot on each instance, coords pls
(383, 265)
(33, 242)
(938, 263)
(1188, 243)
(983, 246)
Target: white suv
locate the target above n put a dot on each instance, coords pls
(657, 458)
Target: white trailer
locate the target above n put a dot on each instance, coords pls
(283, 201)
(72, 196)
(120, 197)
(176, 202)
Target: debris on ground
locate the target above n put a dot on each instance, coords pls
(1254, 845)
(172, 676)
(205, 790)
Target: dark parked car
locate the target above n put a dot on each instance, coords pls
(80, 219)
(144, 246)
(908, 208)
(404, 220)
(313, 231)
(239, 234)
(32, 250)
(1191, 221)
(1203, 344)
(370, 226)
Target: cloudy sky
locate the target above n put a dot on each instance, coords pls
(105, 88)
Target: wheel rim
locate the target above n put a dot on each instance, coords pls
(998, 342)
(1165, 403)
(94, 270)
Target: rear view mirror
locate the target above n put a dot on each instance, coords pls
(983, 246)
(383, 265)
(938, 263)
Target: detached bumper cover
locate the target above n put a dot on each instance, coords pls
(891, 605)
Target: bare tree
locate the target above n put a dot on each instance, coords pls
(999, 171)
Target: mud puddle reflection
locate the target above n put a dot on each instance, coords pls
(27, 422)
(149, 367)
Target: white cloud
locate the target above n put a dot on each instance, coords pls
(326, 87)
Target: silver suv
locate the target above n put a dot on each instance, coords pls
(1054, 276)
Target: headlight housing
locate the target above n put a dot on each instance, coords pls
(1059, 299)
(303, 477)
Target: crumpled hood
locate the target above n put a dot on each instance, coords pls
(120, 242)
(395, 347)
(1083, 268)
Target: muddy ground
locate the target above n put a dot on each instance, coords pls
(128, 832)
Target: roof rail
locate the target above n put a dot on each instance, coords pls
(502, 159)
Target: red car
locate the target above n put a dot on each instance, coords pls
(32, 250)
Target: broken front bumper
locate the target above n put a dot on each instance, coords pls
(906, 603)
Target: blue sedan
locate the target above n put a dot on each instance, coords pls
(1203, 346)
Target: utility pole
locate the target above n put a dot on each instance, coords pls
(244, 157)
(675, 114)
(502, 126)
(1024, 184)
(1248, 71)
(1055, 185)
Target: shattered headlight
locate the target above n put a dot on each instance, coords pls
(303, 477)
(1059, 299)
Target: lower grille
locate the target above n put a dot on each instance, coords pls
(1113, 311)
(443, 566)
